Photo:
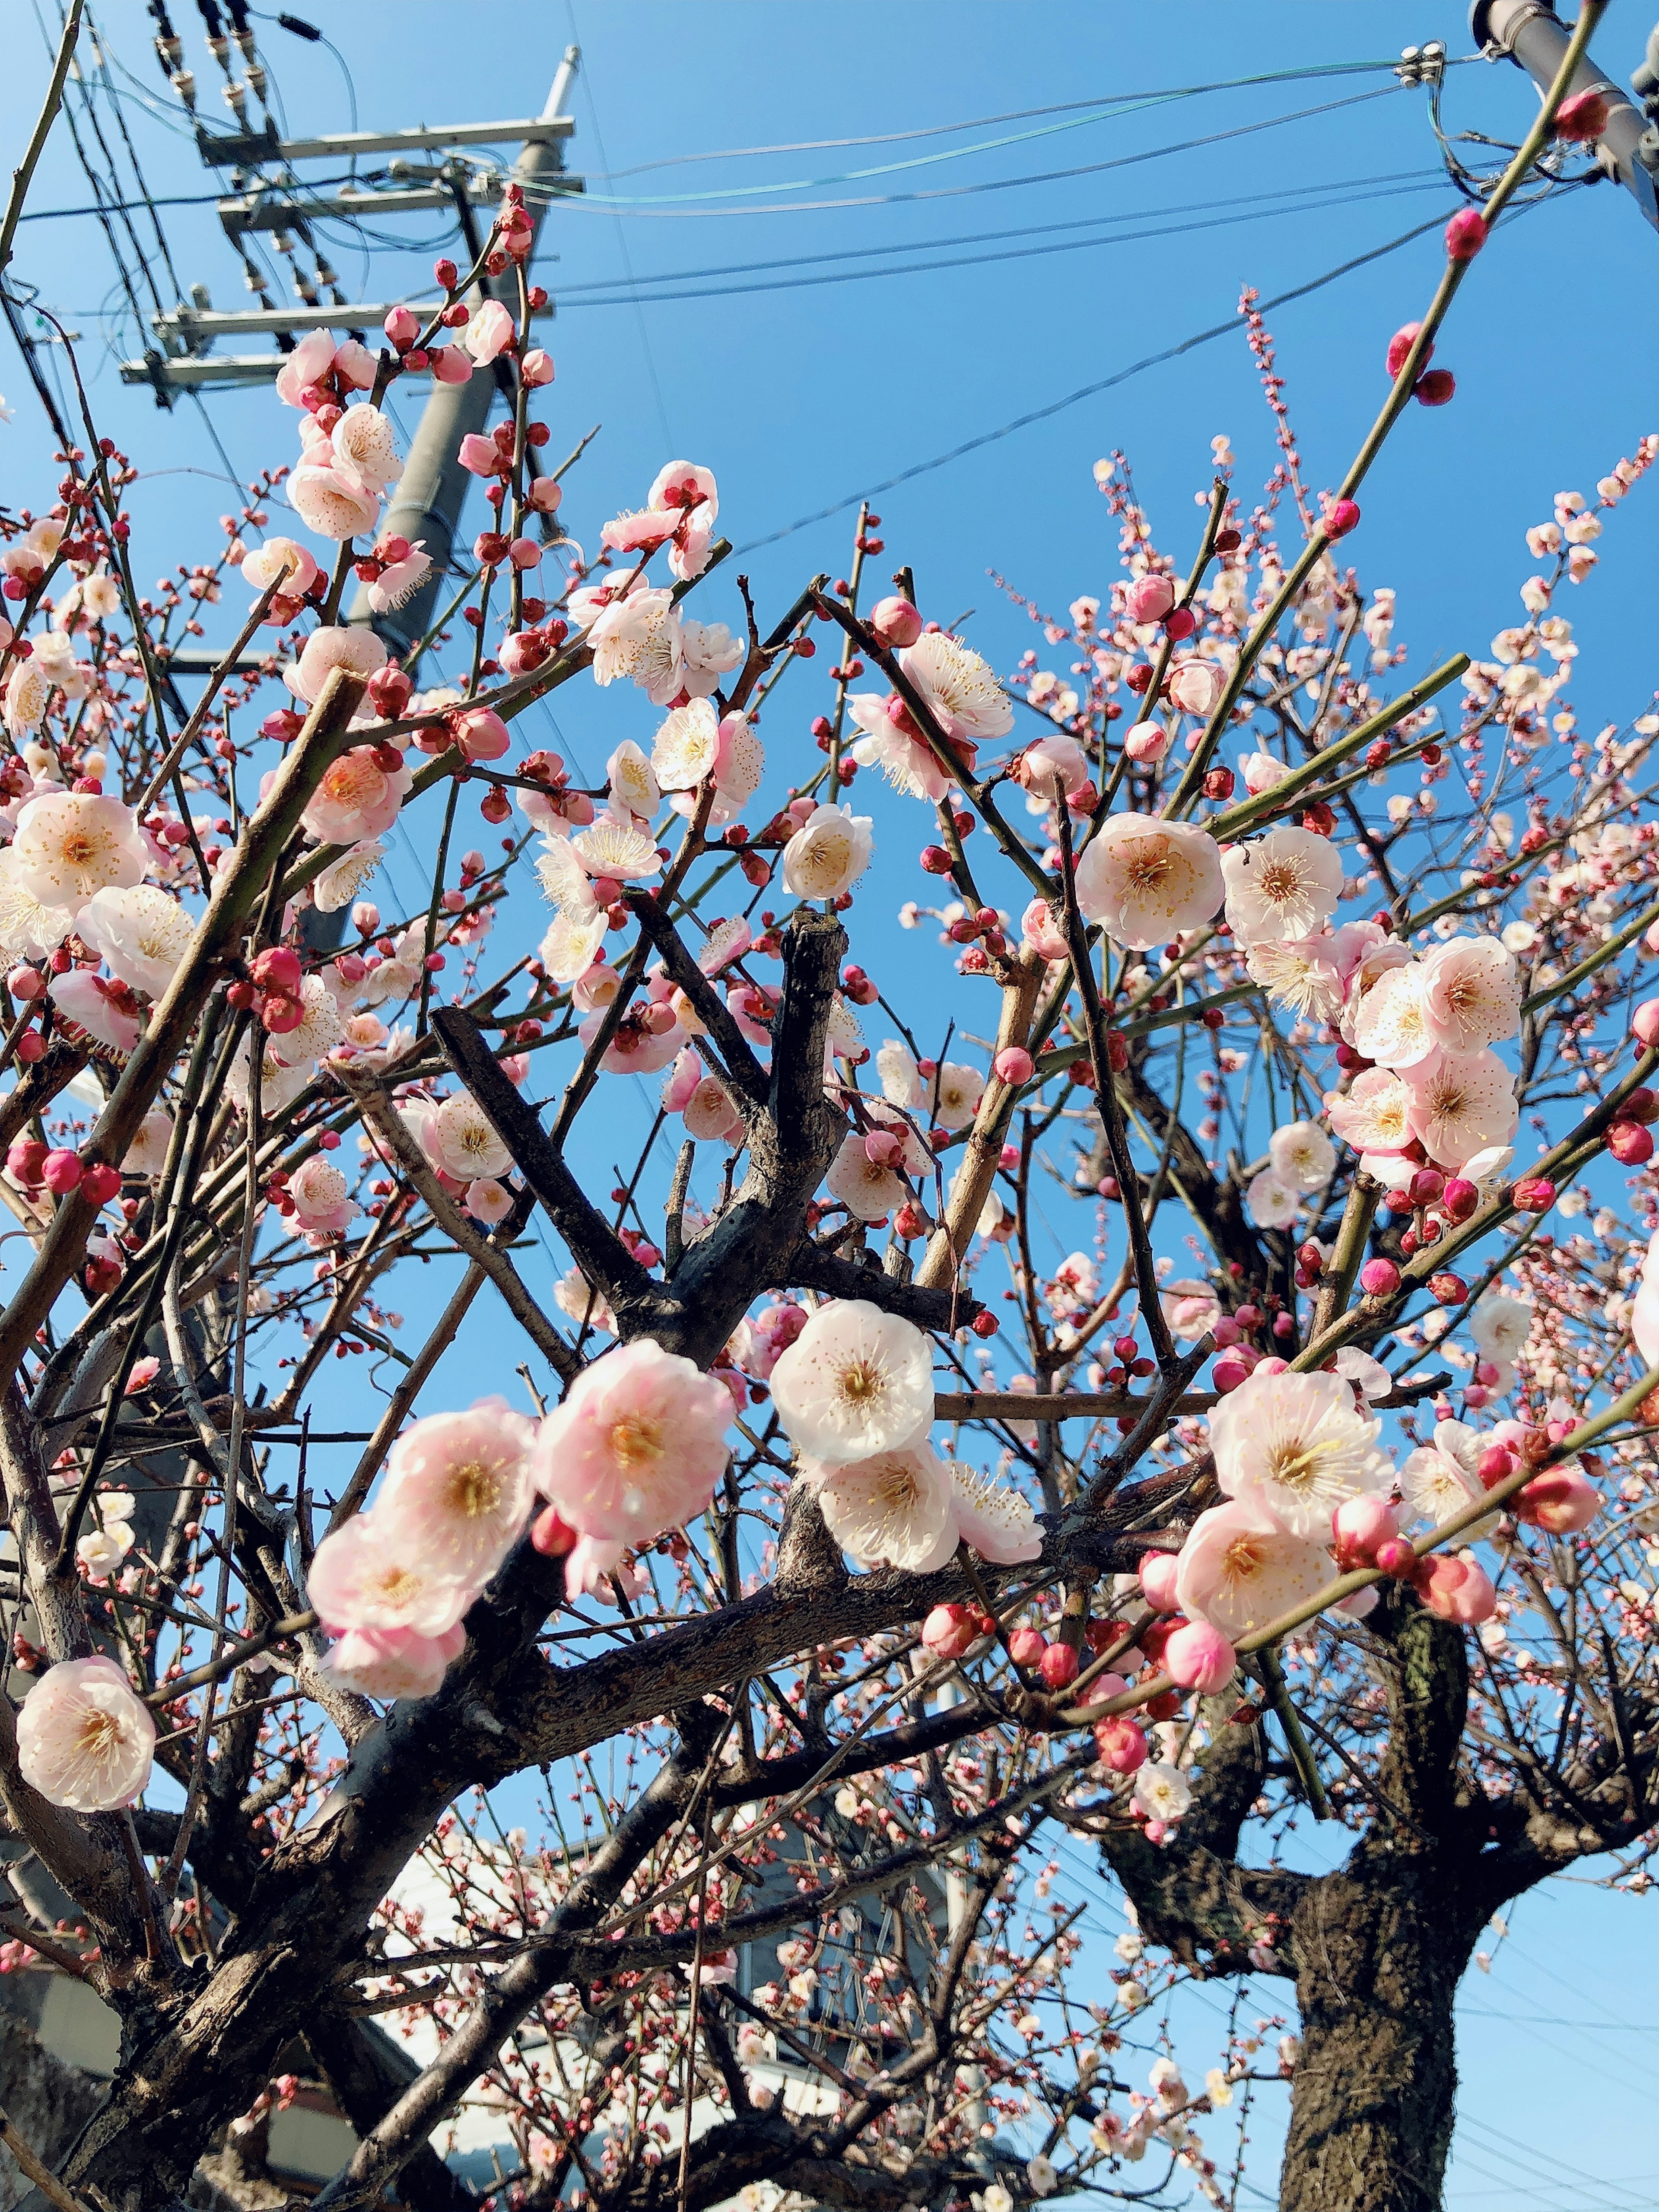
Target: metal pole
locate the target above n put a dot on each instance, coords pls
(1531, 35)
(434, 484)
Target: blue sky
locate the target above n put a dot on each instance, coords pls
(800, 393)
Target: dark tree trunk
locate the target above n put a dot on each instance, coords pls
(1379, 1957)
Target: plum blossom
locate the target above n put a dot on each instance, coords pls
(107, 1013)
(1441, 1477)
(311, 359)
(828, 853)
(994, 1517)
(1302, 1155)
(954, 1093)
(637, 1446)
(895, 1508)
(615, 848)
(85, 1740)
(357, 798)
(371, 1572)
(282, 560)
(1272, 1200)
(1472, 992)
(29, 929)
(575, 1295)
(1461, 1104)
(332, 502)
(317, 1031)
(69, 845)
(639, 637)
(901, 1082)
(325, 650)
(364, 446)
(1501, 1325)
(1392, 1023)
(869, 1189)
(339, 882)
(1296, 1446)
(908, 761)
(390, 1663)
(708, 651)
(140, 934)
(1375, 1116)
(458, 1485)
(855, 1381)
(147, 1153)
(965, 696)
(1240, 1569)
(1146, 881)
(1300, 973)
(323, 1204)
(29, 689)
(1163, 1792)
(463, 1142)
(1191, 1309)
(1283, 884)
(101, 1546)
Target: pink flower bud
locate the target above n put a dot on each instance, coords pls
(1644, 1023)
(546, 495)
(1457, 1588)
(480, 456)
(1379, 1277)
(1496, 1464)
(1427, 1186)
(60, 1171)
(1459, 1198)
(1434, 387)
(1058, 1666)
(1199, 1657)
(1561, 1501)
(1395, 1557)
(882, 1148)
(26, 984)
(550, 1535)
(1027, 1645)
(524, 553)
(1447, 1289)
(1340, 516)
(536, 367)
(401, 327)
(1147, 741)
(280, 1014)
(1150, 599)
(1358, 1526)
(1466, 234)
(481, 734)
(1532, 1194)
(1157, 1580)
(1400, 346)
(1014, 1065)
(100, 1181)
(1231, 1369)
(277, 969)
(1120, 1744)
(949, 1630)
(1225, 1331)
(1630, 1143)
(1583, 117)
(895, 622)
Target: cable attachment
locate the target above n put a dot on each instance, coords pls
(1421, 65)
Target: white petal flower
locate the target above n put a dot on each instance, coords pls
(140, 934)
(868, 1192)
(964, 696)
(631, 780)
(854, 1382)
(1162, 1792)
(1239, 1569)
(954, 1094)
(1500, 1325)
(685, 748)
(893, 1508)
(1271, 1201)
(69, 844)
(1146, 881)
(828, 853)
(572, 944)
(901, 1082)
(85, 1740)
(1392, 1024)
(28, 930)
(1472, 993)
(321, 1026)
(1302, 1155)
(464, 1142)
(1440, 1478)
(1296, 1445)
(1283, 884)
(340, 882)
(616, 849)
(1461, 1104)
(994, 1518)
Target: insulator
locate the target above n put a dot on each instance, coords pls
(256, 77)
(236, 99)
(184, 83)
(325, 274)
(220, 50)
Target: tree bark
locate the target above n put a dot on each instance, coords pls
(1378, 1961)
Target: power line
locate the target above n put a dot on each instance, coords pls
(598, 201)
(1021, 253)
(1088, 390)
(1130, 100)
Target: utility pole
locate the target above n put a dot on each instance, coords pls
(1529, 33)
(434, 488)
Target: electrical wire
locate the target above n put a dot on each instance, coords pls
(599, 201)
(1013, 253)
(1015, 115)
(1089, 391)
(992, 237)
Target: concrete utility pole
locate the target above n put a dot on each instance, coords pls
(1531, 35)
(433, 489)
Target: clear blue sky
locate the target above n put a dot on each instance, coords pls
(798, 394)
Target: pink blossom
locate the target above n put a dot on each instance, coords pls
(1240, 1569)
(1041, 928)
(458, 1486)
(355, 365)
(85, 1740)
(481, 456)
(1198, 1656)
(1457, 1589)
(1462, 1102)
(1376, 1114)
(328, 501)
(323, 1204)
(371, 1573)
(311, 358)
(364, 447)
(106, 1012)
(536, 367)
(326, 650)
(1472, 992)
(1159, 1571)
(1051, 760)
(489, 333)
(451, 364)
(637, 1446)
(281, 561)
(390, 1663)
(357, 798)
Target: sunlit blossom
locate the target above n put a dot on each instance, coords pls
(855, 1381)
(1296, 1445)
(85, 1740)
(637, 1445)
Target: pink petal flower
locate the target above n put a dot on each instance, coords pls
(85, 1740)
(637, 1446)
